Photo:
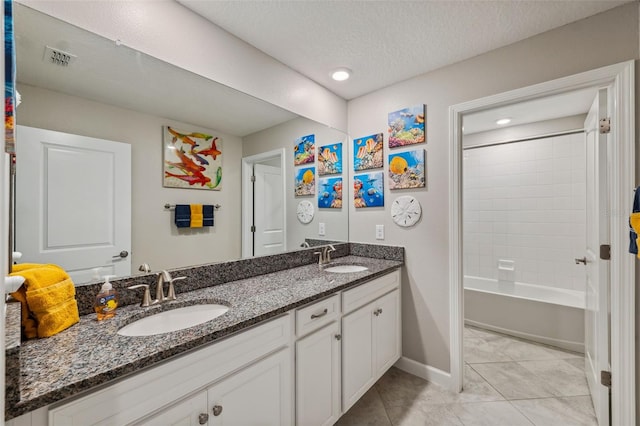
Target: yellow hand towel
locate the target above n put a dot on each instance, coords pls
(49, 296)
(196, 216)
(634, 220)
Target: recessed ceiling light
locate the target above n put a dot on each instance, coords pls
(503, 121)
(341, 74)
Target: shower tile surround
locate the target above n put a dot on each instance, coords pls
(43, 371)
(526, 202)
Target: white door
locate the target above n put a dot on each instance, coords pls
(318, 377)
(73, 202)
(387, 331)
(268, 210)
(188, 412)
(257, 395)
(597, 270)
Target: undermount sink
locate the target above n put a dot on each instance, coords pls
(173, 320)
(345, 269)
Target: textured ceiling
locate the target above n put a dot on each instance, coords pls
(385, 42)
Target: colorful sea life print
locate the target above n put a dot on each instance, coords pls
(330, 193)
(9, 79)
(330, 159)
(367, 152)
(368, 190)
(305, 181)
(407, 126)
(407, 170)
(304, 151)
(192, 160)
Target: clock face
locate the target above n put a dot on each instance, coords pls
(405, 210)
(305, 211)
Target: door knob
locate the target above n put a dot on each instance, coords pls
(582, 260)
(121, 255)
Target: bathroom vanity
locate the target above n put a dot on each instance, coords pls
(298, 346)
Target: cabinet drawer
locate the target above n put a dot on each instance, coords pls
(317, 315)
(361, 295)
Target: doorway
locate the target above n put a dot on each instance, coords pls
(620, 155)
(263, 204)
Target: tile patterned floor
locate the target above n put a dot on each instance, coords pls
(508, 382)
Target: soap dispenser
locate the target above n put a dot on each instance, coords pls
(106, 300)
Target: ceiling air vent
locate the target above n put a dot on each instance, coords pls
(58, 57)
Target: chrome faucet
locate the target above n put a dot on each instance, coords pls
(305, 244)
(324, 257)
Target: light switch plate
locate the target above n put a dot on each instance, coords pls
(379, 232)
(321, 228)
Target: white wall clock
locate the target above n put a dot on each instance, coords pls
(305, 211)
(405, 210)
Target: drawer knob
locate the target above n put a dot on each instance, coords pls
(217, 409)
(321, 314)
(338, 337)
(203, 418)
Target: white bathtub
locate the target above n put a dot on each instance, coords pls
(543, 314)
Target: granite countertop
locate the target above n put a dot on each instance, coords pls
(91, 353)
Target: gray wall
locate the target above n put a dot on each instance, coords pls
(603, 39)
(283, 136)
(155, 239)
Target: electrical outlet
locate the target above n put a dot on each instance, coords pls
(321, 228)
(379, 232)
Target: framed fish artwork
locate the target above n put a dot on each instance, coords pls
(330, 159)
(305, 181)
(191, 160)
(368, 152)
(407, 170)
(368, 190)
(330, 193)
(304, 150)
(407, 126)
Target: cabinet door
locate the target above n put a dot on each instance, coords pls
(387, 331)
(318, 377)
(357, 355)
(260, 394)
(188, 412)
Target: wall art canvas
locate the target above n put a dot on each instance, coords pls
(407, 126)
(368, 152)
(330, 193)
(407, 170)
(192, 160)
(330, 159)
(368, 190)
(304, 151)
(305, 181)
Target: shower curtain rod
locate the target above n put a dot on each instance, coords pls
(546, 135)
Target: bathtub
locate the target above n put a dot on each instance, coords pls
(543, 314)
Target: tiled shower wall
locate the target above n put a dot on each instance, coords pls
(525, 202)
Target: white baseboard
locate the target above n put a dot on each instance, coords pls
(558, 343)
(431, 374)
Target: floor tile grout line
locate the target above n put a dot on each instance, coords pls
(384, 406)
(522, 412)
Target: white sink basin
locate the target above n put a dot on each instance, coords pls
(345, 269)
(173, 320)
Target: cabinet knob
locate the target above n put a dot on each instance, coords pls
(217, 409)
(338, 337)
(380, 310)
(203, 418)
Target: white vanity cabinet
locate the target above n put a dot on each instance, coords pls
(306, 367)
(371, 334)
(246, 360)
(318, 377)
(266, 384)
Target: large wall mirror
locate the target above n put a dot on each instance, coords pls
(110, 92)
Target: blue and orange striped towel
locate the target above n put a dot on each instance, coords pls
(193, 215)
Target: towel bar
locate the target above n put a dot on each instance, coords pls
(173, 206)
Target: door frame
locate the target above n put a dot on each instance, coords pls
(622, 182)
(247, 196)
